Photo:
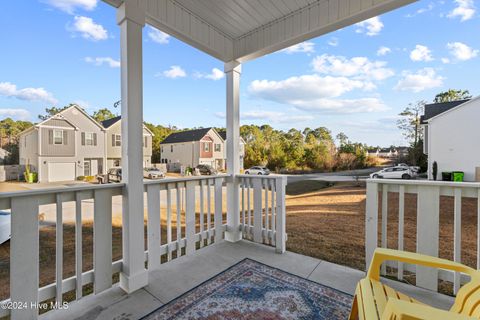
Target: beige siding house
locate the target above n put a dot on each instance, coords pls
(194, 147)
(72, 144)
(113, 137)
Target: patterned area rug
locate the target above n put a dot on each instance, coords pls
(252, 290)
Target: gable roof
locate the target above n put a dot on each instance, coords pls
(186, 136)
(110, 122)
(460, 105)
(83, 112)
(434, 109)
(223, 135)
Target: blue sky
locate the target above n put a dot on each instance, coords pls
(355, 80)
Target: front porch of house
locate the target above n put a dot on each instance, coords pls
(185, 273)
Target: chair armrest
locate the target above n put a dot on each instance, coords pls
(381, 254)
(399, 309)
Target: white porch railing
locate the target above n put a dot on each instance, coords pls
(183, 215)
(262, 207)
(24, 246)
(428, 225)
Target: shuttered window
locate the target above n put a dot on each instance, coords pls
(58, 136)
(116, 140)
(89, 139)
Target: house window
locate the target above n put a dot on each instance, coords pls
(116, 140)
(145, 142)
(89, 139)
(57, 136)
(86, 168)
(116, 163)
(218, 147)
(161, 149)
(206, 147)
(171, 148)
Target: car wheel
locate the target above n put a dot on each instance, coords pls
(259, 173)
(406, 176)
(150, 176)
(247, 172)
(375, 176)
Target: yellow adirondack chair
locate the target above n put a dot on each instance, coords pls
(374, 300)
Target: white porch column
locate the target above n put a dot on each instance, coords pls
(233, 70)
(131, 20)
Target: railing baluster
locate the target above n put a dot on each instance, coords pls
(218, 210)
(169, 222)
(267, 217)
(428, 217)
(457, 236)
(59, 250)
(272, 187)
(102, 240)
(478, 229)
(24, 256)
(202, 223)
(78, 245)
(153, 226)
(371, 222)
(242, 184)
(384, 223)
(257, 211)
(179, 220)
(281, 234)
(249, 211)
(190, 216)
(401, 222)
(209, 211)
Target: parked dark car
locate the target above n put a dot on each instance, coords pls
(114, 175)
(205, 169)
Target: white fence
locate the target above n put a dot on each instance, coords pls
(183, 215)
(428, 195)
(262, 207)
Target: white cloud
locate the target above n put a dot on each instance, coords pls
(464, 9)
(430, 7)
(69, 6)
(158, 36)
(342, 106)
(333, 42)
(370, 27)
(423, 79)
(216, 74)
(306, 47)
(88, 29)
(421, 53)
(30, 94)
(357, 67)
(174, 72)
(461, 51)
(445, 60)
(270, 116)
(15, 113)
(382, 51)
(100, 61)
(305, 87)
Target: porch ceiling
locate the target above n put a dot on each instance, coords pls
(246, 29)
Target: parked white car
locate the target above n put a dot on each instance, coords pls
(5, 226)
(153, 173)
(414, 168)
(259, 170)
(398, 172)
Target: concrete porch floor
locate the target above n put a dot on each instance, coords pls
(180, 275)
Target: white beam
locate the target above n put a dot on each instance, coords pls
(131, 20)
(233, 70)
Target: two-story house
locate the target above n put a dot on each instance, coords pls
(64, 146)
(194, 147)
(72, 144)
(113, 134)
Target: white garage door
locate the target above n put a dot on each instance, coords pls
(61, 171)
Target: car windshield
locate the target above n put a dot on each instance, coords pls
(151, 169)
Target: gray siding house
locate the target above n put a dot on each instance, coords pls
(113, 133)
(72, 144)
